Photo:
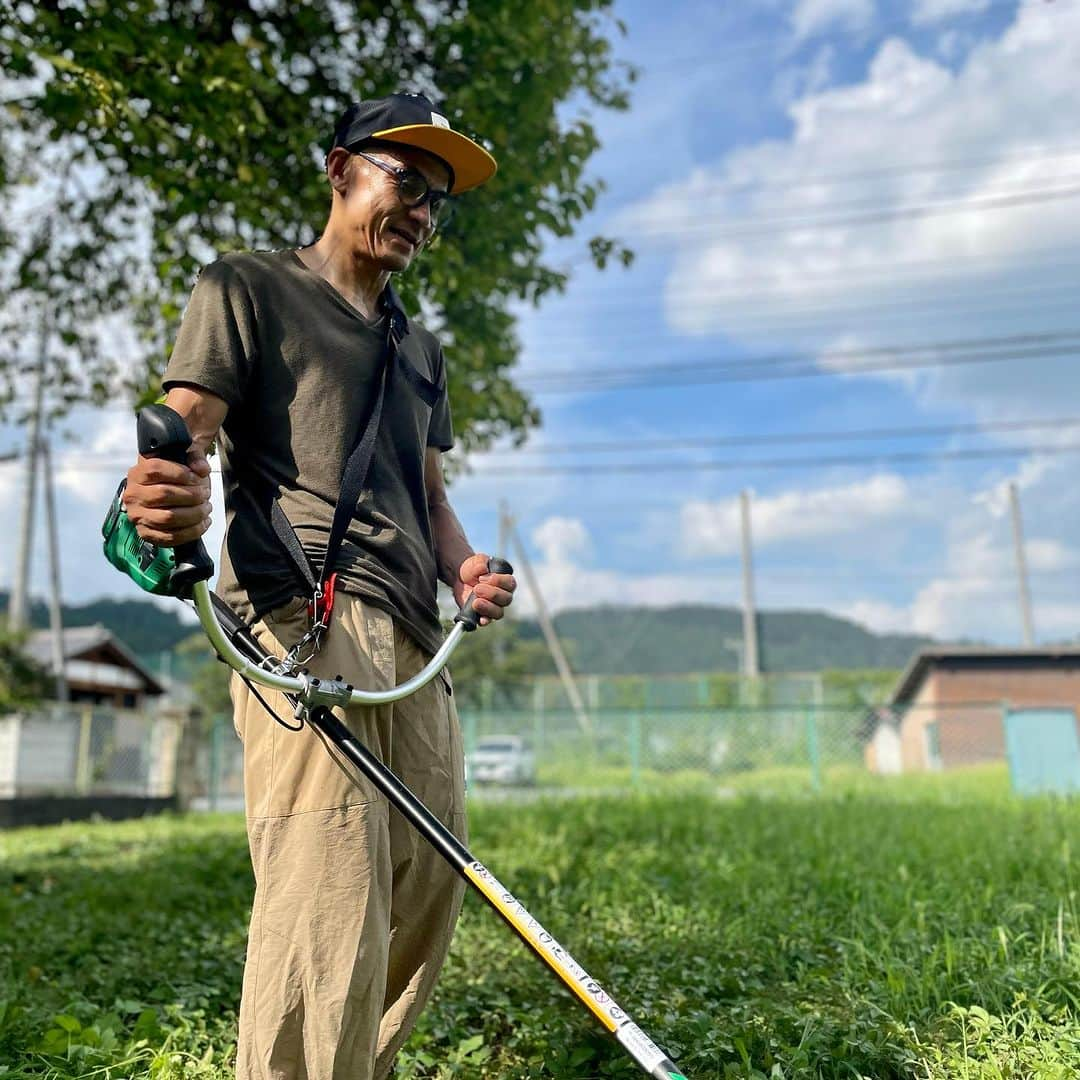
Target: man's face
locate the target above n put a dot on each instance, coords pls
(383, 228)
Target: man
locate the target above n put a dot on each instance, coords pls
(282, 358)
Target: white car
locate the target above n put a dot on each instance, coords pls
(502, 759)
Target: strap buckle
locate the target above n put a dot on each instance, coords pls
(320, 608)
(321, 605)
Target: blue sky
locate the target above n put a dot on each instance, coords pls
(835, 182)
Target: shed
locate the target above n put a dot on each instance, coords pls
(951, 699)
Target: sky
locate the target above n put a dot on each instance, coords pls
(855, 225)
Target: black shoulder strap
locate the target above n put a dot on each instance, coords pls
(356, 468)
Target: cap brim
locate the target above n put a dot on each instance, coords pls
(471, 163)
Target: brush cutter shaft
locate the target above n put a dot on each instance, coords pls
(634, 1041)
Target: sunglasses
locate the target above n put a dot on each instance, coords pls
(414, 190)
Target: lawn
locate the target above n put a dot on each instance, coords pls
(923, 932)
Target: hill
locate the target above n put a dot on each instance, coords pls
(141, 625)
(661, 641)
(602, 641)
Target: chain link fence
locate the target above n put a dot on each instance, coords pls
(531, 737)
(84, 750)
(527, 739)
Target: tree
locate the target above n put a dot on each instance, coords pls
(23, 683)
(158, 133)
(207, 678)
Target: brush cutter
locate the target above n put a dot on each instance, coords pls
(184, 572)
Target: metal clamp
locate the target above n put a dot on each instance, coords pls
(317, 691)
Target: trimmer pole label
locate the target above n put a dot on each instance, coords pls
(587, 988)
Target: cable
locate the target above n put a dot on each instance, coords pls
(1025, 154)
(699, 210)
(774, 310)
(679, 376)
(885, 271)
(772, 463)
(765, 226)
(755, 439)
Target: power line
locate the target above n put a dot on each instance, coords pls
(682, 375)
(788, 437)
(701, 209)
(795, 181)
(886, 270)
(776, 310)
(979, 204)
(953, 345)
(776, 463)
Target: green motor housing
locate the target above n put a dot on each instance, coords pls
(150, 567)
(161, 571)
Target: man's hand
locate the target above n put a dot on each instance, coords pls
(169, 503)
(493, 592)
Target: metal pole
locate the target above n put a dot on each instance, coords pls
(546, 625)
(812, 752)
(20, 587)
(750, 639)
(56, 614)
(1021, 568)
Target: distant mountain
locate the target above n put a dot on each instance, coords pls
(658, 641)
(141, 625)
(601, 641)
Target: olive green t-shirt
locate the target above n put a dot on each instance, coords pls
(299, 368)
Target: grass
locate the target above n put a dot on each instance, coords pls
(910, 930)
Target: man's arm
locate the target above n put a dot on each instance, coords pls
(463, 569)
(169, 503)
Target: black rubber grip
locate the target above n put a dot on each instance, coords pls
(466, 616)
(163, 433)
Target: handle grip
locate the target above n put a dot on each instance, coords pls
(163, 433)
(466, 616)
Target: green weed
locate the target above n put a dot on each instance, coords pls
(912, 931)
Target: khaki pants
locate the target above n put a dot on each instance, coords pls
(353, 911)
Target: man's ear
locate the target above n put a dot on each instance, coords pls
(339, 169)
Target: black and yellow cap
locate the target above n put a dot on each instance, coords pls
(411, 119)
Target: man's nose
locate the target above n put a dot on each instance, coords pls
(421, 215)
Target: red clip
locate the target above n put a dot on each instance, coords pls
(320, 613)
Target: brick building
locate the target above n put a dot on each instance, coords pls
(949, 705)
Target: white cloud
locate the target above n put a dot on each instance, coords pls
(975, 593)
(566, 579)
(934, 11)
(814, 16)
(756, 263)
(713, 528)
(561, 538)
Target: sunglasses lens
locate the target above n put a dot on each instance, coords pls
(413, 188)
(442, 210)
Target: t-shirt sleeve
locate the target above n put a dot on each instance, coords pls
(441, 427)
(216, 346)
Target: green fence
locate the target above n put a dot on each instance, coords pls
(768, 748)
(649, 745)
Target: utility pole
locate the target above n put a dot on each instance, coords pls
(548, 629)
(56, 617)
(1021, 568)
(20, 585)
(750, 666)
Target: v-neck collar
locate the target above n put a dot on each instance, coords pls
(388, 300)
